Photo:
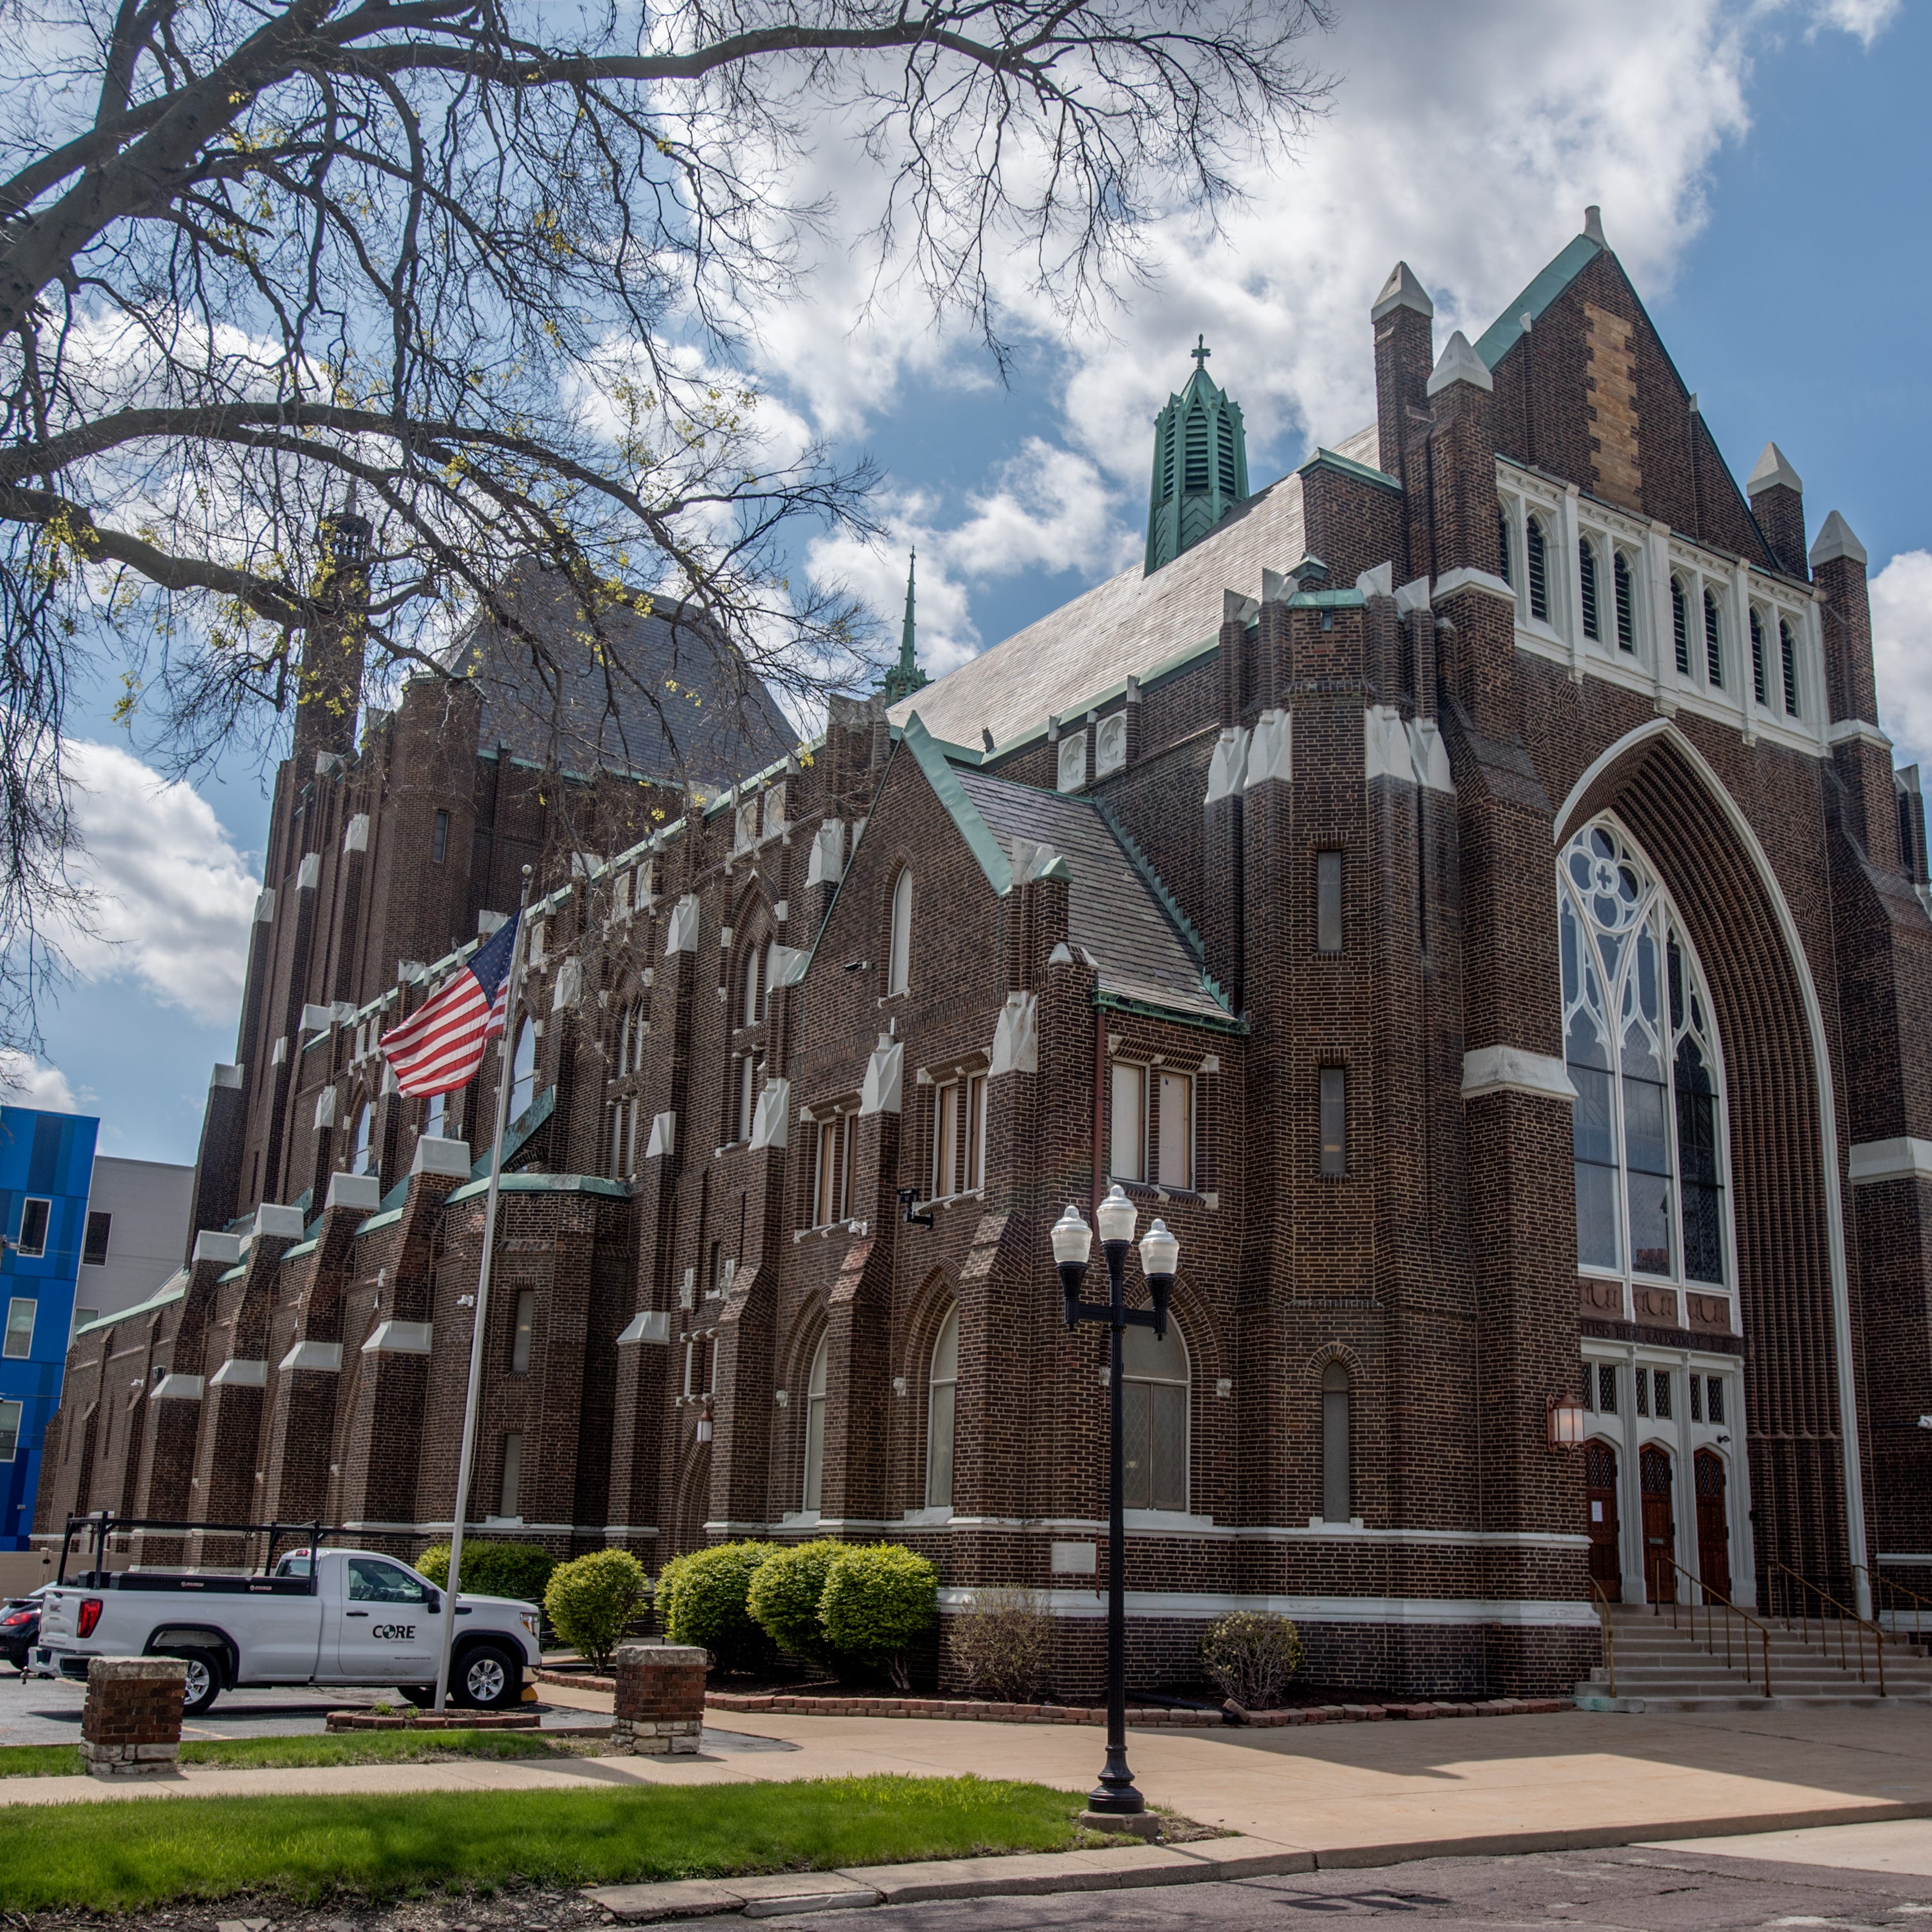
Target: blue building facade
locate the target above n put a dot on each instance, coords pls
(47, 1166)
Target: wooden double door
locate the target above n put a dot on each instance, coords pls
(1600, 1487)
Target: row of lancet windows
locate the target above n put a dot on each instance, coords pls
(1156, 1389)
(1610, 602)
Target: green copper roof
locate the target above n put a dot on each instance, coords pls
(964, 813)
(1504, 333)
(544, 1183)
(1347, 465)
(905, 677)
(1200, 465)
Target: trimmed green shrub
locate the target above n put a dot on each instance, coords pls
(1252, 1655)
(785, 1595)
(879, 1599)
(703, 1599)
(592, 1599)
(519, 1570)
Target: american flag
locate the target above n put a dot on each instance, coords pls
(440, 1046)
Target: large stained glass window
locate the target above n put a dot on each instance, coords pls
(1642, 1053)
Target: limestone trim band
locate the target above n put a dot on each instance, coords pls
(1904, 1158)
(1498, 1070)
(1175, 1605)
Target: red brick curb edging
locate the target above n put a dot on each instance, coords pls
(430, 1720)
(576, 1680)
(1142, 1718)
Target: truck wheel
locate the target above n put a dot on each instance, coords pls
(204, 1681)
(422, 1695)
(488, 1678)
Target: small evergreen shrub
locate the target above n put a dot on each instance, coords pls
(592, 1599)
(703, 1597)
(518, 1570)
(879, 1600)
(785, 1595)
(1003, 1644)
(1251, 1654)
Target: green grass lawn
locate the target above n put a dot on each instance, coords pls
(123, 1855)
(328, 1747)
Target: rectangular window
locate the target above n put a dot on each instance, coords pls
(945, 1141)
(9, 1430)
(439, 839)
(94, 1250)
(831, 1196)
(1697, 1398)
(513, 1474)
(19, 1342)
(1177, 1131)
(83, 1316)
(1714, 1406)
(1606, 1387)
(975, 1131)
(1334, 1123)
(747, 1094)
(1129, 1143)
(1643, 1391)
(34, 1216)
(519, 1340)
(1663, 1394)
(1328, 901)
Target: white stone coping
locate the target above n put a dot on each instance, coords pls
(1498, 1070)
(1904, 1158)
(238, 1372)
(399, 1338)
(324, 1356)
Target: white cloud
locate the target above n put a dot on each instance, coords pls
(25, 1082)
(1901, 607)
(1863, 20)
(175, 898)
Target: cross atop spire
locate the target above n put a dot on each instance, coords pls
(905, 677)
(1201, 351)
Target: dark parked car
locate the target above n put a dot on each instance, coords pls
(19, 1629)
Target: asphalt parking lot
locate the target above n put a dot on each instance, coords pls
(41, 1711)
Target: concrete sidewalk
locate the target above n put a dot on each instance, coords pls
(1367, 1793)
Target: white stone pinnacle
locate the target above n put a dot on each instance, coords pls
(1460, 363)
(1773, 469)
(1401, 290)
(1836, 540)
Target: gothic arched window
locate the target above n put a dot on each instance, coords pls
(1713, 654)
(363, 1160)
(940, 1383)
(524, 1070)
(1625, 586)
(814, 1429)
(751, 1008)
(1680, 625)
(1503, 546)
(1641, 1048)
(1537, 570)
(1586, 578)
(899, 969)
(1787, 650)
(1154, 1415)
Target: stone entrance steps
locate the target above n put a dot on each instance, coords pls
(1660, 1669)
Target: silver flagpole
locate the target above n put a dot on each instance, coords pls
(506, 1067)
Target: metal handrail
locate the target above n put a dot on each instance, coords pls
(1807, 1591)
(1601, 1598)
(1714, 1599)
(1920, 1605)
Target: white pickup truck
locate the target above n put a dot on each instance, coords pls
(345, 1616)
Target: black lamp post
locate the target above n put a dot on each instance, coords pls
(1115, 1795)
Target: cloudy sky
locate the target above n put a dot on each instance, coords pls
(1761, 166)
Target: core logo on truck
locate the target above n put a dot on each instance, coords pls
(399, 1632)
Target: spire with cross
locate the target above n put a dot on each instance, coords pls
(1200, 463)
(905, 677)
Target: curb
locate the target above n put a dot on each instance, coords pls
(961, 1711)
(1132, 1866)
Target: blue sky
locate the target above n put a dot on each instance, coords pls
(1762, 171)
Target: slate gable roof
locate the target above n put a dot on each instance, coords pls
(1113, 907)
(675, 711)
(1130, 623)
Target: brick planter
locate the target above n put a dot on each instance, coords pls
(131, 1725)
(431, 1721)
(660, 1698)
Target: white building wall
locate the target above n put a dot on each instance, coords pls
(150, 1202)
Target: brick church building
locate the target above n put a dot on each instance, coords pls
(1462, 887)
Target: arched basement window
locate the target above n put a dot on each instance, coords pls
(814, 1430)
(523, 1069)
(1154, 1418)
(940, 1383)
(1625, 591)
(1335, 1389)
(899, 968)
(1538, 572)
(1641, 1049)
(1713, 654)
(1586, 578)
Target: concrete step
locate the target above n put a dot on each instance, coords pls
(1598, 1699)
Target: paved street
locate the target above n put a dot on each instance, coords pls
(1641, 1889)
